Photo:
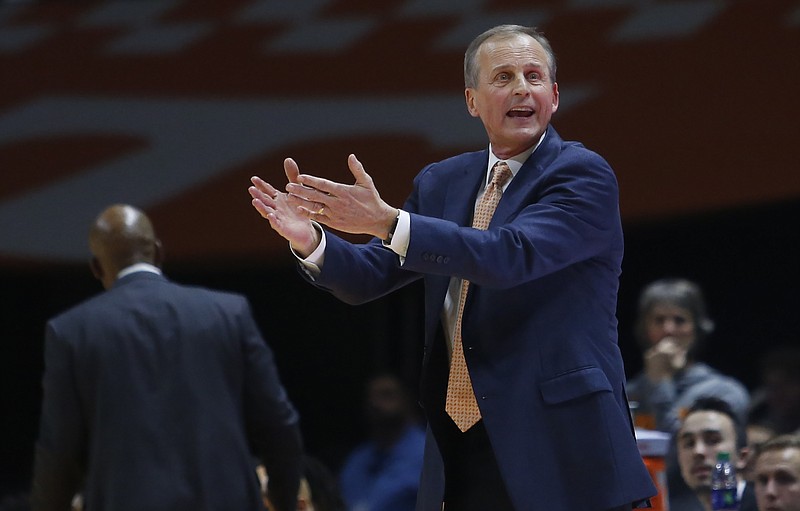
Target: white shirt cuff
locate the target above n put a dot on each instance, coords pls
(315, 259)
(402, 234)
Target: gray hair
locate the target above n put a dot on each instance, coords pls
(682, 293)
(504, 31)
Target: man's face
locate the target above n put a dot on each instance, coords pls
(515, 95)
(777, 480)
(386, 405)
(703, 435)
(667, 320)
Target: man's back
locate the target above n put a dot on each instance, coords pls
(157, 392)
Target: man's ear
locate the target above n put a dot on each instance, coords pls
(745, 453)
(469, 96)
(158, 256)
(97, 270)
(556, 98)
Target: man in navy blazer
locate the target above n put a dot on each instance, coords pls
(159, 396)
(539, 328)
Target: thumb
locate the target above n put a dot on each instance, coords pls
(291, 169)
(357, 169)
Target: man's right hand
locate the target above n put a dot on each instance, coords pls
(284, 218)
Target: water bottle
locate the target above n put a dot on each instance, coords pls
(724, 495)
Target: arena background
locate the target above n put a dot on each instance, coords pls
(172, 105)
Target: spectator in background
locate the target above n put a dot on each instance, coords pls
(776, 402)
(671, 326)
(155, 393)
(758, 432)
(777, 474)
(710, 427)
(383, 473)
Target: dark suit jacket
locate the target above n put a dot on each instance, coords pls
(157, 396)
(539, 327)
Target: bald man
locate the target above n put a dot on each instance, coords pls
(159, 396)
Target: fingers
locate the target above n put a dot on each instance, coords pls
(357, 169)
(331, 187)
(291, 169)
(264, 197)
(262, 208)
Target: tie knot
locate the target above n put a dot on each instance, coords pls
(501, 173)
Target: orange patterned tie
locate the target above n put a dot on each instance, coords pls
(461, 404)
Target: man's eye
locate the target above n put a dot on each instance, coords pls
(503, 77)
(534, 77)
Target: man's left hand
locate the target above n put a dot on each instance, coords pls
(356, 208)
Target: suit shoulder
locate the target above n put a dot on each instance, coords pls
(213, 294)
(574, 151)
(459, 160)
(452, 164)
(229, 301)
(86, 306)
(579, 152)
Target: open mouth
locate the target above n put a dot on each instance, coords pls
(520, 112)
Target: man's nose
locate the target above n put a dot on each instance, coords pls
(700, 449)
(521, 85)
(769, 487)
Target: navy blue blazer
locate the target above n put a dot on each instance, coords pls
(539, 326)
(159, 396)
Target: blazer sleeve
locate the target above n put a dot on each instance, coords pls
(549, 218)
(59, 456)
(272, 421)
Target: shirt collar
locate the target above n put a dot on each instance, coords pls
(137, 268)
(515, 162)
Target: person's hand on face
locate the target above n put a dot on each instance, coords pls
(665, 359)
(671, 332)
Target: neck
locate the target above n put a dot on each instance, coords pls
(386, 437)
(705, 500)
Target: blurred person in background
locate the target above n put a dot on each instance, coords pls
(671, 326)
(382, 474)
(776, 401)
(777, 474)
(709, 427)
(158, 395)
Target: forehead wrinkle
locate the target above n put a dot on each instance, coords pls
(530, 50)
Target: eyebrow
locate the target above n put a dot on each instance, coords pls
(700, 433)
(502, 67)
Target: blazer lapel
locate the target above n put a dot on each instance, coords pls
(463, 189)
(518, 193)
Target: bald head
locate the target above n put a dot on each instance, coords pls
(121, 236)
